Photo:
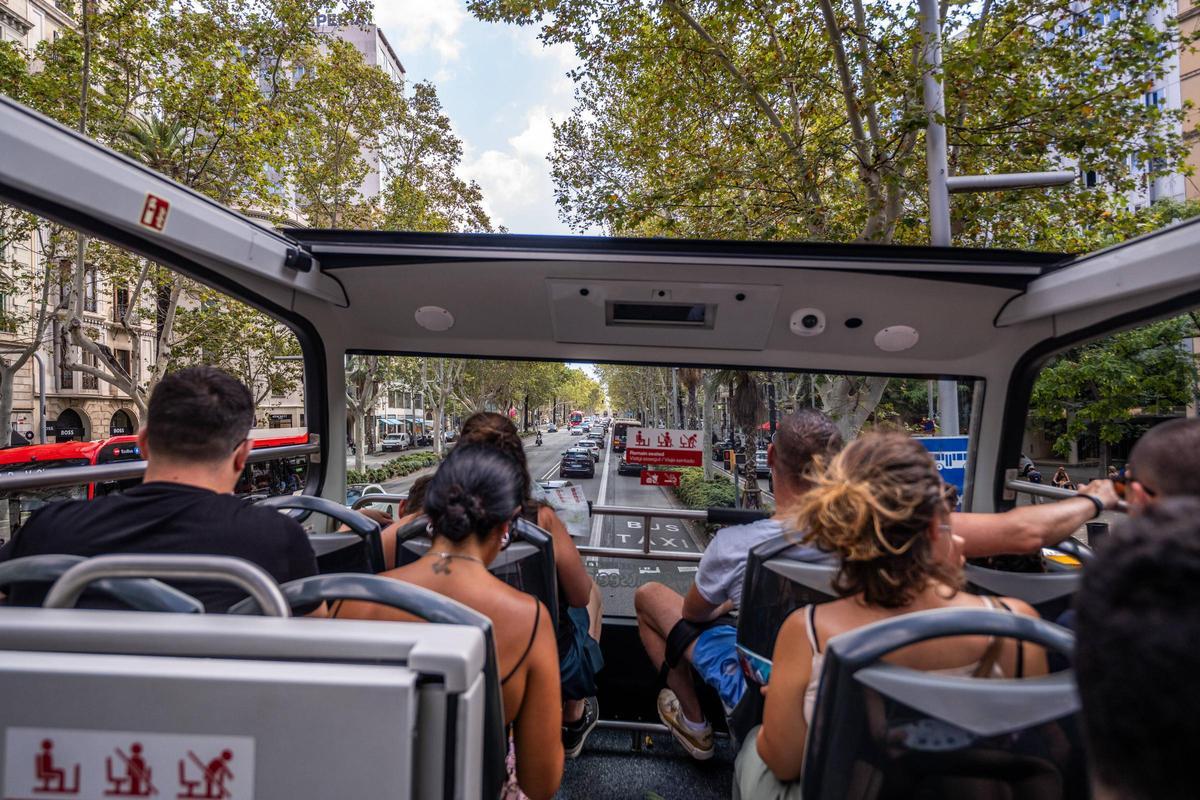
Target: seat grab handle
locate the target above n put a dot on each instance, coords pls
(249, 577)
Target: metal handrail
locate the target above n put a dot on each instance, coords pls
(248, 577)
(371, 499)
(123, 470)
(639, 555)
(1050, 492)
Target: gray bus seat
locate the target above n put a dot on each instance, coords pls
(140, 594)
(359, 551)
(1050, 593)
(526, 564)
(881, 730)
(308, 709)
(429, 606)
(780, 577)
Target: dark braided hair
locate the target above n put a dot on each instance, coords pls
(475, 489)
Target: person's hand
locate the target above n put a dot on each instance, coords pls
(1104, 490)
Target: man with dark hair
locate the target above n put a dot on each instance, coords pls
(1165, 462)
(195, 441)
(1138, 621)
(683, 632)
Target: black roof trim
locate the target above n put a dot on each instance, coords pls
(326, 241)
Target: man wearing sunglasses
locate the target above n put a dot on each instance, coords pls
(195, 442)
(1165, 462)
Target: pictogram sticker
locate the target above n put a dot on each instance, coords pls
(63, 764)
(154, 212)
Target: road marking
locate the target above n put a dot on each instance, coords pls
(550, 471)
(598, 520)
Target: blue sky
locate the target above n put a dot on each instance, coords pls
(501, 88)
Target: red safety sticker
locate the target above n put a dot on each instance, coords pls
(63, 764)
(154, 212)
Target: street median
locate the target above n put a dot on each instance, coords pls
(396, 468)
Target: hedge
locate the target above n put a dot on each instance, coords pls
(396, 468)
(695, 492)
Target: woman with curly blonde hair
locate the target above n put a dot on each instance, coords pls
(882, 507)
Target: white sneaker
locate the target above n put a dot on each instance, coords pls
(698, 743)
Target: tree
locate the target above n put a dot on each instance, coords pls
(1104, 385)
(774, 119)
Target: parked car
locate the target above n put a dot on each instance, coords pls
(761, 468)
(356, 490)
(423, 440)
(627, 467)
(551, 428)
(450, 435)
(592, 448)
(577, 461)
(396, 441)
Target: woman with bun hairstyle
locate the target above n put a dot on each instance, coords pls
(471, 503)
(579, 606)
(882, 507)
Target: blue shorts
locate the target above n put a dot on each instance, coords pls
(715, 658)
(580, 660)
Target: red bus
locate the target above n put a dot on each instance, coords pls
(263, 479)
(576, 418)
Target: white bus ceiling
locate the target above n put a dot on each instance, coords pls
(976, 314)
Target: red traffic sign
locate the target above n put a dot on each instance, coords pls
(655, 447)
(664, 478)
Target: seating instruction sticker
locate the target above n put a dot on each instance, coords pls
(63, 764)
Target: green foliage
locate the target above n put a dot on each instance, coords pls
(396, 468)
(784, 120)
(1104, 385)
(696, 492)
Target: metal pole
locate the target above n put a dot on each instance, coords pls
(41, 397)
(771, 409)
(646, 522)
(937, 168)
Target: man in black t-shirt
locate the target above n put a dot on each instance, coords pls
(195, 441)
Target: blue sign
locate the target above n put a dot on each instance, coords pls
(950, 453)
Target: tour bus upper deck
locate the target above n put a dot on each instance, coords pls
(987, 318)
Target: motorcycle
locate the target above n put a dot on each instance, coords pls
(538, 440)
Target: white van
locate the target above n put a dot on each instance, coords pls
(396, 441)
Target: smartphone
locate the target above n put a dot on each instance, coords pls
(754, 667)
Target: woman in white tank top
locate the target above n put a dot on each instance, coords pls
(882, 506)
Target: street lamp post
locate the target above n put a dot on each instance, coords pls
(940, 182)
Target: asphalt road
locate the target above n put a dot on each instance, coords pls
(616, 577)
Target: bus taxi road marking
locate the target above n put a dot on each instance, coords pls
(55, 763)
(598, 519)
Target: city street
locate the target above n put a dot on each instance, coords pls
(616, 577)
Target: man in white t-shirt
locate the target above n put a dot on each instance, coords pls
(695, 630)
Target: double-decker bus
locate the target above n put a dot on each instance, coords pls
(295, 703)
(575, 418)
(620, 434)
(261, 479)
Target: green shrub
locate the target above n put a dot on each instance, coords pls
(395, 468)
(695, 492)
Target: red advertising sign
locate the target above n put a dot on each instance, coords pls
(664, 478)
(658, 447)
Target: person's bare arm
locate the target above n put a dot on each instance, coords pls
(1029, 528)
(1033, 657)
(573, 577)
(784, 731)
(697, 609)
(537, 729)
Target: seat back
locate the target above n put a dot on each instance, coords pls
(1050, 593)
(140, 594)
(780, 577)
(360, 550)
(268, 707)
(885, 731)
(526, 564)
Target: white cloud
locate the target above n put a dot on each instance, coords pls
(423, 25)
